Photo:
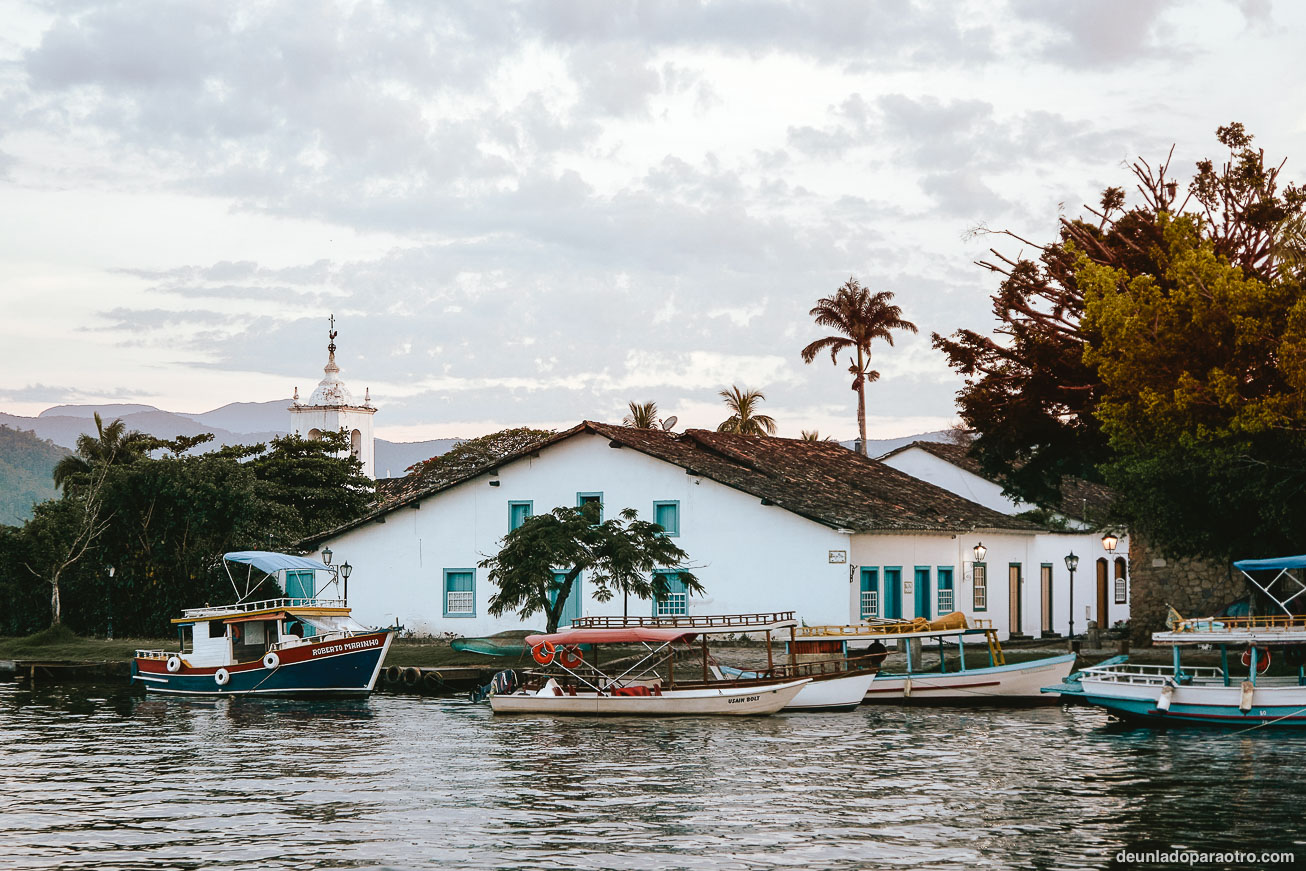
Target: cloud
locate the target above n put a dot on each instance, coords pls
(1102, 32)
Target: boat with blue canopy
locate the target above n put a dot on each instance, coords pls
(301, 643)
(1247, 688)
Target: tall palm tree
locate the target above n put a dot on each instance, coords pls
(744, 419)
(861, 317)
(814, 435)
(643, 415)
(112, 444)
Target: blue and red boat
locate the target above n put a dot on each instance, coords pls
(301, 644)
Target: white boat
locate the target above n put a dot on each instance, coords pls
(1209, 695)
(833, 692)
(998, 682)
(580, 686)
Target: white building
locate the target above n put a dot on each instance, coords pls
(1102, 580)
(331, 408)
(769, 525)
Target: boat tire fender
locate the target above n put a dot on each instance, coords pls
(570, 657)
(393, 674)
(222, 677)
(174, 664)
(543, 652)
(412, 676)
(272, 661)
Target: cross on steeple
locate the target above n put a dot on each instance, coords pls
(331, 334)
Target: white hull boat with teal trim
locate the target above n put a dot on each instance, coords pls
(1020, 681)
(1243, 692)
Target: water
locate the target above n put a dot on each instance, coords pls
(98, 777)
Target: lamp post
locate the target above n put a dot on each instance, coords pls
(345, 571)
(326, 556)
(109, 632)
(1109, 542)
(1072, 563)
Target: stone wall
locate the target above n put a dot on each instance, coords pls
(1195, 588)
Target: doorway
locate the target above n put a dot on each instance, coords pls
(1045, 590)
(1014, 590)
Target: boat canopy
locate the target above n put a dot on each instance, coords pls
(624, 635)
(272, 562)
(1282, 562)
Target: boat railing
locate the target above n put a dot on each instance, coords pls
(1137, 673)
(262, 605)
(713, 621)
(1283, 622)
(889, 628)
(154, 654)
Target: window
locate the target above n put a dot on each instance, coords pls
(676, 601)
(947, 602)
(870, 594)
(299, 584)
(217, 629)
(583, 499)
(1122, 589)
(980, 573)
(667, 516)
(518, 512)
(460, 592)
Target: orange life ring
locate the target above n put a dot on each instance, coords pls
(543, 652)
(1262, 659)
(570, 657)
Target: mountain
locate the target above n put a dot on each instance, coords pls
(394, 458)
(25, 465)
(241, 417)
(880, 447)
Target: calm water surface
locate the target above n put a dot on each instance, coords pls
(97, 777)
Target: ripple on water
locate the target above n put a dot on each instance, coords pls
(96, 777)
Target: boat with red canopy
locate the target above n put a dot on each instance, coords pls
(632, 686)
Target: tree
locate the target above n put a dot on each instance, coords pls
(111, 444)
(308, 485)
(744, 419)
(860, 317)
(621, 555)
(469, 455)
(812, 435)
(1030, 395)
(642, 416)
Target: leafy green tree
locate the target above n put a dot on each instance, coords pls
(467, 456)
(308, 485)
(744, 418)
(112, 444)
(621, 555)
(642, 415)
(860, 317)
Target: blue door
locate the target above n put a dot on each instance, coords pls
(869, 606)
(571, 607)
(923, 592)
(893, 593)
(299, 585)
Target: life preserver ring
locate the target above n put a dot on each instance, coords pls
(221, 677)
(570, 657)
(174, 664)
(543, 652)
(1262, 659)
(271, 660)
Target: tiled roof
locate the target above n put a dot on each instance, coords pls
(1080, 499)
(821, 481)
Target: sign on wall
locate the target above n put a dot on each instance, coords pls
(838, 556)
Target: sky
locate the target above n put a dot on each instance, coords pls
(529, 214)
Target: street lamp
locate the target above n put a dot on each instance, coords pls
(345, 571)
(109, 632)
(1072, 563)
(326, 556)
(980, 551)
(1109, 541)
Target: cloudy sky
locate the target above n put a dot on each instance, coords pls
(534, 213)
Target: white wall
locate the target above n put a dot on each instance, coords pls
(331, 418)
(750, 557)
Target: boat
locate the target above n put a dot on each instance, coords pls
(296, 645)
(633, 687)
(1224, 695)
(998, 682)
(837, 683)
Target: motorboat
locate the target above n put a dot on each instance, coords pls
(998, 682)
(300, 644)
(1237, 693)
(576, 683)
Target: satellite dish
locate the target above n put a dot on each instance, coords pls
(669, 423)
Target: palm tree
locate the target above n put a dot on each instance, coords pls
(813, 435)
(643, 415)
(111, 445)
(861, 317)
(744, 419)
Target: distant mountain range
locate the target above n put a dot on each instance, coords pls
(25, 465)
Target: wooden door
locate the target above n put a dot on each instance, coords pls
(1013, 593)
(1045, 600)
(1102, 616)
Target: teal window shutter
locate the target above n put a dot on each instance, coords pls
(869, 605)
(518, 512)
(676, 602)
(460, 592)
(667, 515)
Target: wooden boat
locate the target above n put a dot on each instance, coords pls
(303, 645)
(838, 683)
(998, 682)
(580, 686)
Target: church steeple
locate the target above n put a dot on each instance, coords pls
(332, 408)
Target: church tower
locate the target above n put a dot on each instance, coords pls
(331, 408)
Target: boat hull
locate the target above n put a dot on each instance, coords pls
(346, 667)
(832, 694)
(1018, 682)
(725, 701)
(1199, 705)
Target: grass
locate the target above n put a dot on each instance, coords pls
(61, 643)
